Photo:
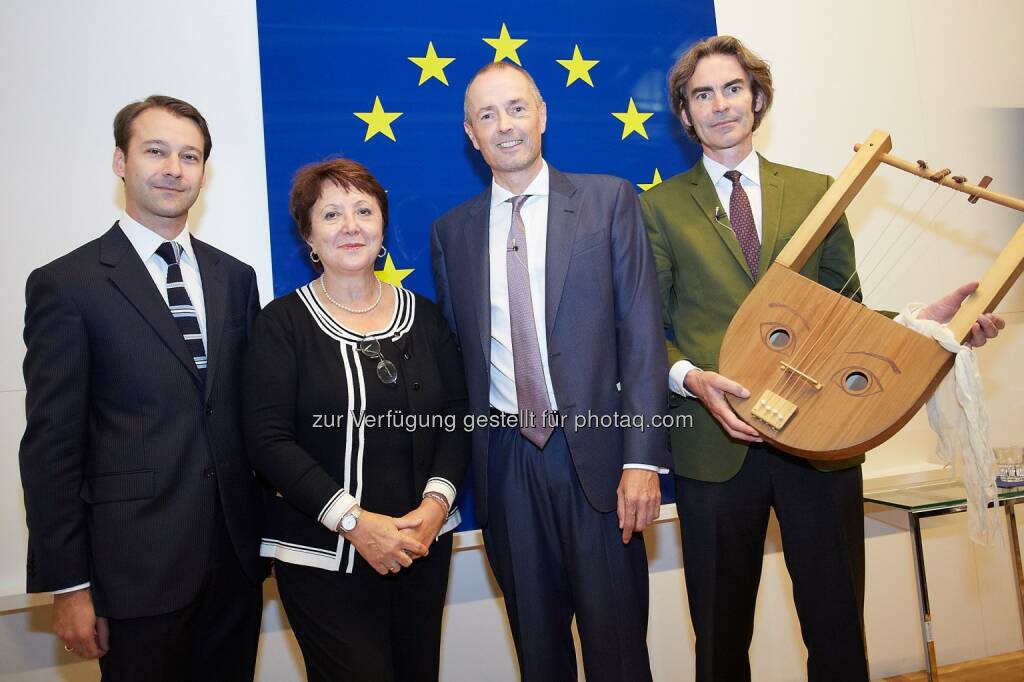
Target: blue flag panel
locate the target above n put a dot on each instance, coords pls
(383, 83)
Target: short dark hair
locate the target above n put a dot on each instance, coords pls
(308, 184)
(757, 70)
(124, 119)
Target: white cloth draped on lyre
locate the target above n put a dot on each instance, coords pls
(956, 412)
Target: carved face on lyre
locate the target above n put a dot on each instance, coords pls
(828, 377)
(859, 373)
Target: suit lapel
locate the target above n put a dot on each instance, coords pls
(132, 279)
(215, 301)
(476, 233)
(703, 192)
(563, 219)
(771, 213)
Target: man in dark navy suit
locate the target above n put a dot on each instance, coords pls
(549, 281)
(143, 512)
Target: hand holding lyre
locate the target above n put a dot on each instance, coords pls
(710, 388)
(986, 327)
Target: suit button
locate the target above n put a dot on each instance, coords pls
(209, 472)
(209, 409)
(415, 385)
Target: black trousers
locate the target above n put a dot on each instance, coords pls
(821, 518)
(367, 627)
(213, 639)
(554, 556)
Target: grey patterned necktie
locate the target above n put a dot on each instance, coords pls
(742, 220)
(531, 389)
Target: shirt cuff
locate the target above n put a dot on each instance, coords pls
(72, 589)
(443, 486)
(646, 467)
(339, 505)
(677, 377)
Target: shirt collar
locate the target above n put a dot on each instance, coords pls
(750, 168)
(145, 241)
(539, 187)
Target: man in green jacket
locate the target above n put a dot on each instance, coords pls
(714, 230)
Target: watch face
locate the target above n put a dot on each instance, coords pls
(348, 522)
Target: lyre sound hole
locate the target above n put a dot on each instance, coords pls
(856, 382)
(779, 338)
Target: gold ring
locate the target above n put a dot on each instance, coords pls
(67, 648)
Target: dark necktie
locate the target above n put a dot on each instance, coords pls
(181, 305)
(531, 389)
(742, 220)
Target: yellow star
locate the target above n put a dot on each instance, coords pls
(579, 68)
(633, 121)
(378, 121)
(432, 66)
(653, 183)
(505, 46)
(392, 275)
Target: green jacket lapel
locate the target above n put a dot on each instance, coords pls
(771, 212)
(704, 194)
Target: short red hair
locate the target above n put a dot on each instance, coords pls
(308, 185)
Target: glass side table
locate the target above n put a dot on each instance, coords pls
(921, 500)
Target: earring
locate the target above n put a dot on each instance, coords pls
(383, 251)
(313, 256)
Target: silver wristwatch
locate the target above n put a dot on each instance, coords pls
(350, 520)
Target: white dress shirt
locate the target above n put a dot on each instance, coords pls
(750, 180)
(146, 242)
(534, 212)
(535, 218)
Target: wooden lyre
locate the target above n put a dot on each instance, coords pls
(828, 377)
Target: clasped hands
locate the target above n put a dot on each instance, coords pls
(711, 388)
(390, 543)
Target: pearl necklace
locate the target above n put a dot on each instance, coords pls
(355, 311)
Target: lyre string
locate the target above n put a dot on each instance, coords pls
(848, 328)
(786, 379)
(883, 232)
(938, 214)
(903, 231)
(906, 249)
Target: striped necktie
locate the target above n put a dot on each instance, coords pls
(181, 305)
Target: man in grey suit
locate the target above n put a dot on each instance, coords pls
(549, 282)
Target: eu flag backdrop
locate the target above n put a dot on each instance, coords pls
(383, 83)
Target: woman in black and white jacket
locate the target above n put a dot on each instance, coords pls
(354, 405)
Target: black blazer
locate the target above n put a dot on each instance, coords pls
(606, 344)
(127, 452)
(302, 382)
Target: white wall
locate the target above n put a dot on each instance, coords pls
(942, 77)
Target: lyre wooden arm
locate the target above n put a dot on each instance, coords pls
(823, 217)
(994, 285)
(950, 181)
(1004, 271)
